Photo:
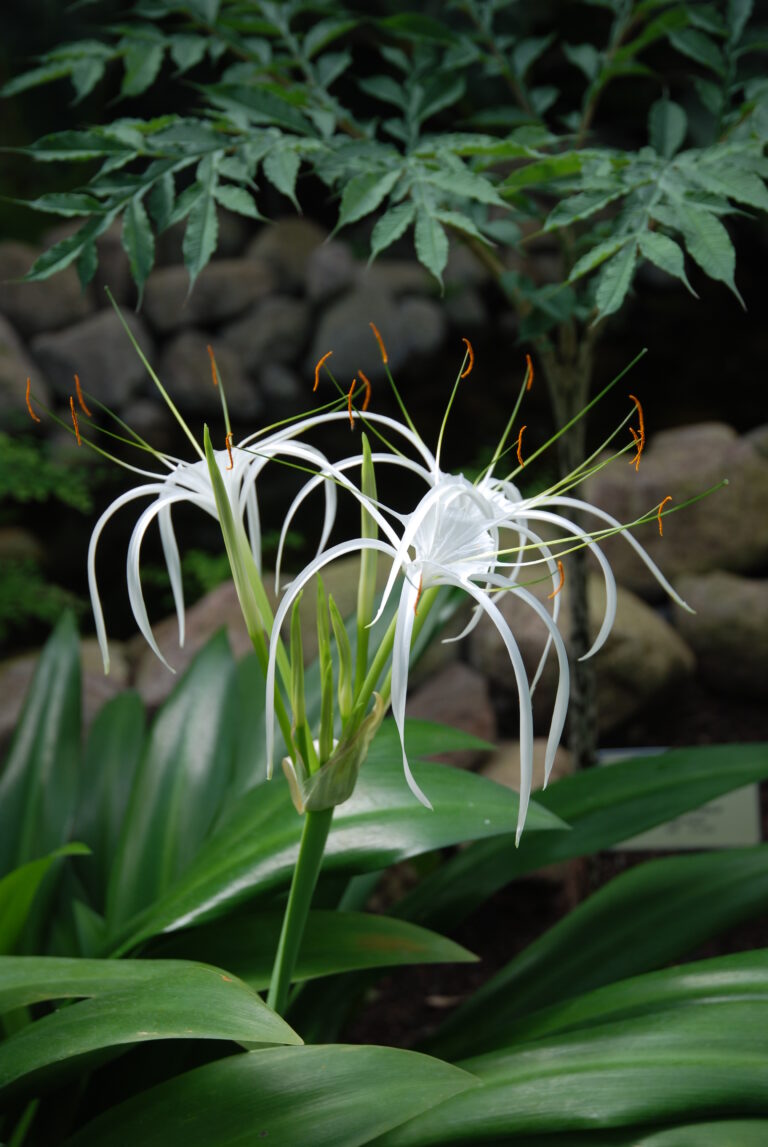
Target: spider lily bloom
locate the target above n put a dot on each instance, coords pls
(453, 537)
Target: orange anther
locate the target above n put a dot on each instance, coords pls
(320, 362)
(471, 355)
(80, 399)
(349, 402)
(368, 391)
(214, 369)
(555, 592)
(74, 420)
(638, 435)
(32, 414)
(529, 372)
(228, 443)
(662, 504)
(520, 445)
(419, 592)
(380, 341)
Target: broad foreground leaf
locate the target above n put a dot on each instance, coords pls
(688, 1064)
(642, 919)
(602, 807)
(18, 890)
(128, 1001)
(331, 1096)
(254, 851)
(333, 942)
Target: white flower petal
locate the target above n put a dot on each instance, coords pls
(173, 565)
(401, 655)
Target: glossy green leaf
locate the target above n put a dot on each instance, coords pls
(364, 193)
(699, 47)
(187, 50)
(543, 171)
(665, 254)
(112, 754)
(581, 206)
(125, 1002)
(742, 976)
(63, 253)
(431, 243)
(38, 782)
(642, 919)
(237, 199)
(615, 280)
(651, 1069)
(281, 167)
(333, 942)
(178, 786)
(667, 126)
(595, 257)
(255, 849)
(203, 225)
(331, 1096)
(18, 890)
(602, 807)
(391, 226)
(142, 59)
(138, 242)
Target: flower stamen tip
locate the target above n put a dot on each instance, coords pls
(28, 397)
(662, 504)
(520, 445)
(75, 423)
(556, 591)
(529, 372)
(350, 395)
(318, 368)
(368, 390)
(80, 399)
(380, 341)
(638, 435)
(470, 356)
(228, 443)
(214, 371)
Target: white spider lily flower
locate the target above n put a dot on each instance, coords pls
(453, 538)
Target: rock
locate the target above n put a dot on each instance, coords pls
(286, 245)
(345, 329)
(15, 368)
(17, 544)
(100, 352)
(223, 290)
(726, 530)
(729, 631)
(281, 388)
(457, 696)
(758, 439)
(642, 658)
(274, 331)
(17, 673)
(186, 371)
(464, 267)
(504, 764)
(152, 420)
(423, 324)
(43, 306)
(466, 310)
(113, 270)
(398, 277)
(331, 269)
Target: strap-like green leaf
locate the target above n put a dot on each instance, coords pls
(18, 890)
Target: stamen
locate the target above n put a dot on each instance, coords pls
(214, 371)
(74, 420)
(80, 398)
(561, 571)
(320, 362)
(471, 362)
(380, 341)
(228, 443)
(662, 504)
(419, 592)
(32, 414)
(529, 372)
(349, 402)
(520, 444)
(638, 435)
(368, 390)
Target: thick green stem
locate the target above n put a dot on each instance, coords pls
(305, 874)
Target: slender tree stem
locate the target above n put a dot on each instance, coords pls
(305, 874)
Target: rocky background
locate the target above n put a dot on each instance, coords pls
(270, 305)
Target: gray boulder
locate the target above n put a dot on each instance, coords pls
(185, 368)
(223, 290)
(642, 658)
(726, 530)
(43, 306)
(15, 368)
(344, 328)
(274, 331)
(423, 325)
(100, 352)
(287, 245)
(331, 268)
(729, 631)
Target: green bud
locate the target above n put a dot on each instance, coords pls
(302, 734)
(325, 656)
(345, 660)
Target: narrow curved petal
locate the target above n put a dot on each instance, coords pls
(98, 613)
(173, 565)
(401, 654)
(577, 504)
